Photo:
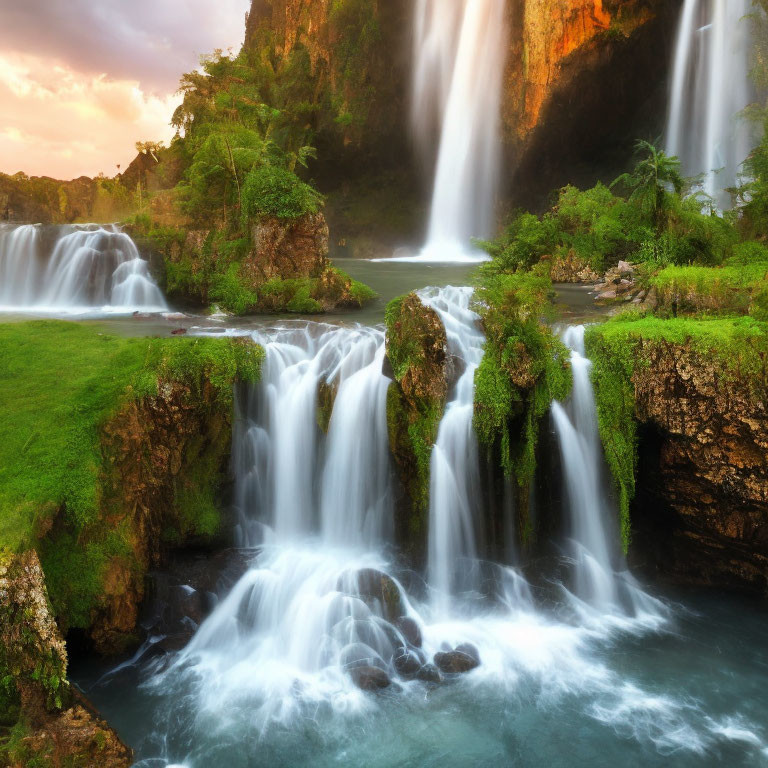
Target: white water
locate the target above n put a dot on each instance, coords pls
(459, 56)
(710, 87)
(89, 269)
(594, 545)
(273, 664)
(454, 489)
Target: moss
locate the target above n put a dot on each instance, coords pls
(416, 349)
(619, 347)
(524, 368)
(63, 383)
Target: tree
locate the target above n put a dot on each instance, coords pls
(653, 183)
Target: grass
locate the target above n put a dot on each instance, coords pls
(59, 383)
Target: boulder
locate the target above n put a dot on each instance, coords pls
(410, 630)
(370, 678)
(455, 662)
(429, 673)
(408, 664)
(381, 593)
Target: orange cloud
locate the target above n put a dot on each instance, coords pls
(55, 121)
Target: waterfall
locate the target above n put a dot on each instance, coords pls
(710, 87)
(316, 603)
(459, 55)
(454, 485)
(19, 264)
(594, 552)
(90, 268)
(282, 457)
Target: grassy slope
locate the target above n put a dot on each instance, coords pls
(59, 382)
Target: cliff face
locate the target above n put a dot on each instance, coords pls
(702, 507)
(358, 68)
(583, 78)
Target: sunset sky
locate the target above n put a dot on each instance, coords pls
(81, 81)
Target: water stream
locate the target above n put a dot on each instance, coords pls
(710, 88)
(594, 671)
(81, 270)
(459, 55)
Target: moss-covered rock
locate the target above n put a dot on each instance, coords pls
(688, 397)
(52, 724)
(525, 367)
(417, 353)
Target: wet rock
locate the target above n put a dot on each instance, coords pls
(455, 662)
(370, 678)
(178, 332)
(624, 268)
(380, 591)
(470, 650)
(408, 664)
(607, 296)
(429, 673)
(410, 630)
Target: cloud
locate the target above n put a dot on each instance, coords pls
(151, 41)
(82, 81)
(58, 122)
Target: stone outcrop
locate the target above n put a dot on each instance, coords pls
(584, 78)
(702, 509)
(287, 249)
(61, 727)
(419, 363)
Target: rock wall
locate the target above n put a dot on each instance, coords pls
(584, 80)
(419, 364)
(701, 513)
(60, 726)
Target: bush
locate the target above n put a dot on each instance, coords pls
(276, 192)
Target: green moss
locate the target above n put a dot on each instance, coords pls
(620, 347)
(61, 383)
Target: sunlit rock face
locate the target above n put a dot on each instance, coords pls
(584, 79)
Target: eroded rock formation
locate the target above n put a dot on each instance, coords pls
(702, 507)
(60, 726)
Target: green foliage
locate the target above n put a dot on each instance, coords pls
(61, 382)
(653, 183)
(621, 346)
(229, 291)
(277, 192)
(524, 368)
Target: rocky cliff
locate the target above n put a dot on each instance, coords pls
(702, 507)
(583, 78)
(685, 404)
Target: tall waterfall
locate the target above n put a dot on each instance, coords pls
(89, 268)
(459, 59)
(454, 486)
(710, 87)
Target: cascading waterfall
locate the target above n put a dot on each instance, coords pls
(594, 546)
(710, 88)
(459, 59)
(454, 470)
(90, 268)
(19, 264)
(320, 611)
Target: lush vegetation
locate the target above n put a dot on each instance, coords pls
(524, 368)
(621, 347)
(63, 383)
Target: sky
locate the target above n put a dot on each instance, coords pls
(81, 81)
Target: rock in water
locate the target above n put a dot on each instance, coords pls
(410, 630)
(455, 662)
(369, 678)
(407, 664)
(429, 673)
